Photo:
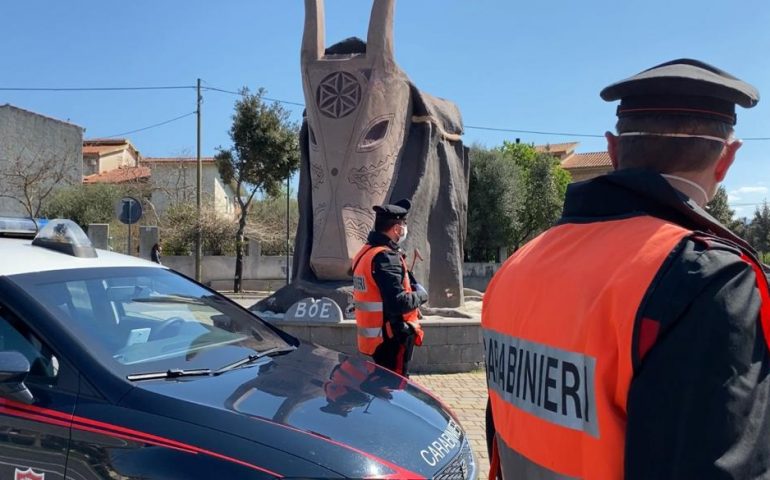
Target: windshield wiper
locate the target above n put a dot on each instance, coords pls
(171, 373)
(170, 299)
(254, 357)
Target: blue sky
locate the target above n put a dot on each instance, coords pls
(535, 65)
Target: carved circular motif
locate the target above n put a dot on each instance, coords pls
(338, 95)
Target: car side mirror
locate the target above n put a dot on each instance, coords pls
(14, 368)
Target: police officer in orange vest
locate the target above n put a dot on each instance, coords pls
(630, 341)
(386, 295)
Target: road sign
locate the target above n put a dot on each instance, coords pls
(128, 210)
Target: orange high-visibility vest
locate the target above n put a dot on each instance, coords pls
(370, 319)
(558, 321)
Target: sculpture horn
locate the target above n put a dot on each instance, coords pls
(380, 37)
(313, 38)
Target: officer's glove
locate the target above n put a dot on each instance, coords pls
(402, 330)
(421, 292)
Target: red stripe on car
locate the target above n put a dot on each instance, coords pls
(54, 417)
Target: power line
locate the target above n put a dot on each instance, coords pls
(154, 125)
(471, 127)
(287, 102)
(92, 89)
(533, 132)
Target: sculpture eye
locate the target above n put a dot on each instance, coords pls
(374, 134)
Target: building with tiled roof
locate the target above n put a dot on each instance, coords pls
(102, 155)
(583, 166)
(174, 180)
(558, 150)
(175, 160)
(120, 175)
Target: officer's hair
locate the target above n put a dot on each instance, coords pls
(667, 154)
(383, 224)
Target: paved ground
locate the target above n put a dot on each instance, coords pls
(466, 395)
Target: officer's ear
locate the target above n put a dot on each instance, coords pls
(726, 159)
(612, 148)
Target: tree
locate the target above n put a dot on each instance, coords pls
(265, 152)
(179, 226)
(31, 177)
(542, 185)
(492, 202)
(759, 229)
(84, 204)
(267, 223)
(720, 209)
(515, 194)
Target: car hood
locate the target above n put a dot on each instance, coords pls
(341, 412)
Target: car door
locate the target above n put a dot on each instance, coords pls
(34, 437)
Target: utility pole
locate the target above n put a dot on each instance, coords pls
(288, 243)
(198, 239)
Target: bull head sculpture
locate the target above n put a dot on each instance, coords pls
(369, 137)
(358, 115)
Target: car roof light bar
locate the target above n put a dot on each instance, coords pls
(65, 236)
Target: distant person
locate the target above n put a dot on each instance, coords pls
(155, 254)
(387, 298)
(630, 341)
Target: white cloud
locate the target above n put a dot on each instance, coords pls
(732, 198)
(745, 190)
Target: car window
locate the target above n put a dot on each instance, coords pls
(15, 337)
(140, 319)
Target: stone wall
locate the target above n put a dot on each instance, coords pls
(269, 272)
(478, 275)
(259, 272)
(450, 346)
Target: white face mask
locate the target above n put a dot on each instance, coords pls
(403, 235)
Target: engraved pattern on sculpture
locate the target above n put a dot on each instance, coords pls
(358, 222)
(373, 178)
(319, 218)
(338, 95)
(318, 175)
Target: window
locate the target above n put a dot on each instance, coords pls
(140, 319)
(15, 337)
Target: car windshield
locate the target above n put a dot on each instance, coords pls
(149, 319)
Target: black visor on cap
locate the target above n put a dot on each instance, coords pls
(397, 211)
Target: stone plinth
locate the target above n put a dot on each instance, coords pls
(451, 344)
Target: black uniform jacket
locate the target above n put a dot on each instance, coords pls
(699, 401)
(388, 273)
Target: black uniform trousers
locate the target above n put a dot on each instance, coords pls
(395, 354)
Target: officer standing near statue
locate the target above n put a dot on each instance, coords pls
(630, 341)
(387, 297)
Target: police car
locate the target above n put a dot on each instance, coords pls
(112, 367)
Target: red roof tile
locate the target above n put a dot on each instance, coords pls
(587, 160)
(119, 175)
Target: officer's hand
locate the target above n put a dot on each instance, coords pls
(402, 330)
